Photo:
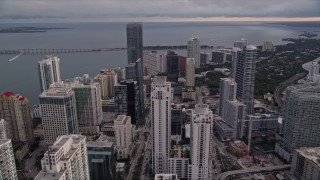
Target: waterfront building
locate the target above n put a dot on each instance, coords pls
(3, 129)
(244, 75)
(201, 130)
(107, 79)
(268, 47)
(190, 73)
(204, 58)
(228, 90)
(241, 44)
(301, 113)
(193, 50)
(49, 72)
(15, 110)
(219, 57)
(7, 161)
(306, 163)
(134, 42)
(160, 123)
(101, 159)
(172, 66)
(123, 136)
(66, 159)
(59, 114)
(150, 63)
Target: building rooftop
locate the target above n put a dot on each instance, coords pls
(102, 141)
(122, 119)
(223, 124)
(49, 176)
(238, 143)
(311, 153)
(57, 92)
(166, 177)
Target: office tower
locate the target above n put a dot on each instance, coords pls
(172, 66)
(59, 114)
(161, 123)
(3, 129)
(7, 162)
(182, 64)
(65, 159)
(201, 127)
(301, 121)
(121, 73)
(176, 120)
(241, 44)
(101, 159)
(123, 135)
(228, 90)
(245, 69)
(131, 71)
(134, 42)
(15, 109)
(268, 47)
(107, 79)
(49, 72)
(126, 100)
(162, 63)
(193, 50)
(150, 60)
(190, 73)
(88, 102)
(234, 115)
(204, 58)
(306, 163)
(219, 57)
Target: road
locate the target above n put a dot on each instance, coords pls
(30, 168)
(251, 170)
(284, 85)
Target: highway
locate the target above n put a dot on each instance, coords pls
(30, 168)
(251, 170)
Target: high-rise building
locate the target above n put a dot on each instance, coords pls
(204, 58)
(190, 73)
(150, 60)
(172, 66)
(123, 135)
(107, 79)
(182, 64)
(193, 50)
(201, 127)
(49, 72)
(58, 112)
(7, 162)
(161, 123)
(301, 113)
(127, 100)
(15, 110)
(162, 63)
(134, 42)
(176, 121)
(131, 71)
(3, 129)
(241, 44)
(234, 115)
(88, 102)
(121, 73)
(66, 159)
(244, 75)
(219, 57)
(228, 90)
(268, 47)
(101, 159)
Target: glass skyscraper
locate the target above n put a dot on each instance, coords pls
(134, 42)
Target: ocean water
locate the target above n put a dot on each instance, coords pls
(21, 76)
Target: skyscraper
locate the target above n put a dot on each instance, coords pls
(201, 127)
(245, 69)
(3, 129)
(49, 72)
(66, 159)
(193, 50)
(241, 44)
(301, 112)
(15, 110)
(7, 163)
(162, 63)
(228, 90)
(190, 73)
(58, 111)
(150, 60)
(134, 42)
(172, 66)
(204, 58)
(161, 123)
(107, 79)
(123, 135)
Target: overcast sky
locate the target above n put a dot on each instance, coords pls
(155, 10)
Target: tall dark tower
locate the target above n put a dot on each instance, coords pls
(134, 42)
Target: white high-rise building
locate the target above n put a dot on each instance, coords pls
(201, 128)
(107, 79)
(228, 90)
(193, 50)
(190, 73)
(58, 112)
(3, 129)
(49, 72)
(161, 123)
(7, 163)
(150, 60)
(66, 159)
(123, 135)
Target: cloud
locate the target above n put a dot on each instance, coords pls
(121, 9)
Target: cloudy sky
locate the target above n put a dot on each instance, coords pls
(157, 10)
